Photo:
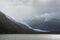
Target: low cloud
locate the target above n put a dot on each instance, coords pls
(27, 9)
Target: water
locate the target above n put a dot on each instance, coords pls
(29, 37)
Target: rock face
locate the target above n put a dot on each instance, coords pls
(8, 26)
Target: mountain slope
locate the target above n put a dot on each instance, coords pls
(52, 25)
(9, 26)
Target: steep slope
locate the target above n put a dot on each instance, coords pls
(9, 26)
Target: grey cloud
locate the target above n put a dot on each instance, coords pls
(36, 7)
(30, 8)
(52, 8)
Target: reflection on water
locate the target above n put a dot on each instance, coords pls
(29, 37)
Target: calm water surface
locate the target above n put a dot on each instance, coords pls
(29, 37)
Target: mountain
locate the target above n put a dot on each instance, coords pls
(52, 25)
(10, 26)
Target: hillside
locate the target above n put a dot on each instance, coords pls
(9, 26)
(52, 25)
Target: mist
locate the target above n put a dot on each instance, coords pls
(31, 11)
(27, 9)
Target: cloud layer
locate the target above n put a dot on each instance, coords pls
(27, 9)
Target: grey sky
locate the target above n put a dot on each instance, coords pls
(26, 9)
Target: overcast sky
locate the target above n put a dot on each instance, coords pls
(26, 9)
